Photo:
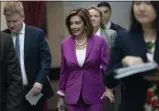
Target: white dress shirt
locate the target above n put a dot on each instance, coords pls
(22, 65)
(98, 32)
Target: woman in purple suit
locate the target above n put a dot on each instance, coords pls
(83, 53)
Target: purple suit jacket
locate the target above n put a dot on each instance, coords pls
(87, 79)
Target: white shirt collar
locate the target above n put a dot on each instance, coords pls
(23, 29)
(98, 32)
(108, 25)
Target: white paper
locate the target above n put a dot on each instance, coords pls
(135, 69)
(31, 98)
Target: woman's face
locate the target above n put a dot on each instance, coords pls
(95, 17)
(77, 25)
(144, 12)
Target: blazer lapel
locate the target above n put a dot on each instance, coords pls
(90, 43)
(26, 42)
(156, 53)
(88, 49)
(73, 50)
(104, 33)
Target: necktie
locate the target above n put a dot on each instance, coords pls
(17, 47)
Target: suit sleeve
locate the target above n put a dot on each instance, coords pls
(45, 58)
(104, 55)
(14, 79)
(63, 75)
(114, 62)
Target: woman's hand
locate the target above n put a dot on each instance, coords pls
(108, 94)
(60, 104)
(131, 60)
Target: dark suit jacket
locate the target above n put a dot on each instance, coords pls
(134, 94)
(37, 58)
(10, 76)
(117, 27)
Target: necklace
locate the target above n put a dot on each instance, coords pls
(81, 43)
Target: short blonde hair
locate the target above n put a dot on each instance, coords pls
(13, 8)
(101, 16)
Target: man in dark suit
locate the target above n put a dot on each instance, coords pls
(105, 7)
(10, 76)
(33, 53)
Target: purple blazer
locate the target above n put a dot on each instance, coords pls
(87, 79)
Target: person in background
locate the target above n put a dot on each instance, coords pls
(99, 27)
(139, 45)
(105, 7)
(10, 75)
(33, 54)
(81, 82)
(108, 34)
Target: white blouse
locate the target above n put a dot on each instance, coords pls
(81, 54)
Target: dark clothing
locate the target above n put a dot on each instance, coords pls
(119, 30)
(10, 76)
(134, 87)
(37, 60)
(117, 27)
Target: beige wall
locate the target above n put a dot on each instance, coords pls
(55, 22)
(3, 22)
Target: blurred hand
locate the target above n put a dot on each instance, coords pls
(37, 88)
(108, 94)
(60, 104)
(131, 60)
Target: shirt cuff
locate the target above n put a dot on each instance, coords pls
(101, 67)
(60, 93)
(113, 89)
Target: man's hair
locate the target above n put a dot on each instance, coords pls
(13, 8)
(104, 4)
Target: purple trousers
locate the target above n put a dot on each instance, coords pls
(82, 106)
